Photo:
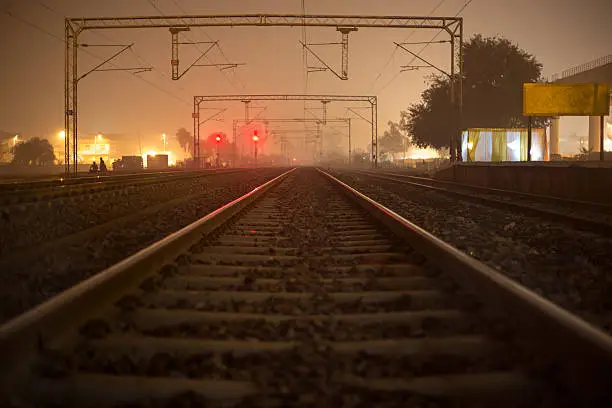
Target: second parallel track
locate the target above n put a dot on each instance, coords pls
(302, 293)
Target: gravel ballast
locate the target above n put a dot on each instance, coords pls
(569, 267)
(59, 216)
(29, 280)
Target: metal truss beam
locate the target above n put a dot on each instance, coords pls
(343, 23)
(247, 98)
(283, 97)
(270, 20)
(282, 132)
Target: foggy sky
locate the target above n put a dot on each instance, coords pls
(560, 33)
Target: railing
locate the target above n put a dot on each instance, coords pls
(582, 68)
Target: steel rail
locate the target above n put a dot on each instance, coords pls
(581, 352)
(16, 186)
(33, 195)
(573, 344)
(50, 323)
(532, 196)
(580, 223)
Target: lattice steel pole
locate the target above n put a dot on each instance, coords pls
(345, 35)
(74, 102)
(349, 141)
(234, 125)
(460, 81)
(68, 94)
(374, 105)
(325, 102)
(196, 127)
(174, 31)
(454, 105)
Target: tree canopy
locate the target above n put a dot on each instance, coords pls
(494, 73)
(33, 152)
(185, 139)
(392, 141)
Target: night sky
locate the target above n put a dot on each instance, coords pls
(560, 33)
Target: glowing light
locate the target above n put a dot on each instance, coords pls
(62, 134)
(470, 145)
(15, 140)
(514, 145)
(218, 138)
(255, 138)
(420, 154)
(294, 159)
(153, 153)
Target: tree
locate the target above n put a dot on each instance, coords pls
(185, 139)
(494, 73)
(4, 150)
(393, 141)
(5, 142)
(34, 152)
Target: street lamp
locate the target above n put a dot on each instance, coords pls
(218, 139)
(62, 136)
(96, 140)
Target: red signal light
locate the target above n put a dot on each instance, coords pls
(255, 138)
(218, 139)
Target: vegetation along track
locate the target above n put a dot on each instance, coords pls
(582, 215)
(302, 293)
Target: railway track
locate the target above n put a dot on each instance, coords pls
(581, 215)
(301, 293)
(27, 193)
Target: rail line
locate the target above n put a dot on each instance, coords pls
(302, 292)
(582, 215)
(98, 184)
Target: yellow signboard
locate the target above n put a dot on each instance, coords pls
(566, 99)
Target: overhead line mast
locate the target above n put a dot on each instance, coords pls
(343, 23)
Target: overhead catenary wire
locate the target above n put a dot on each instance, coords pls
(465, 5)
(380, 73)
(223, 72)
(61, 39)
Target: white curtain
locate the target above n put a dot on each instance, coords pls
(537, 146)
(513, 141)
(484, 148)
(464, 146)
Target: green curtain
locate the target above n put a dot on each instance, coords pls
(499, 148)
(473, 137)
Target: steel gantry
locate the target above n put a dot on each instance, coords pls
(372, 100)
(344, 24)
(318, 122)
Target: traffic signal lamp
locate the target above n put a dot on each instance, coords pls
(218, 138)
(255, 138)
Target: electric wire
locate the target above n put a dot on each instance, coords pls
(380, 73)
(465, 5)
